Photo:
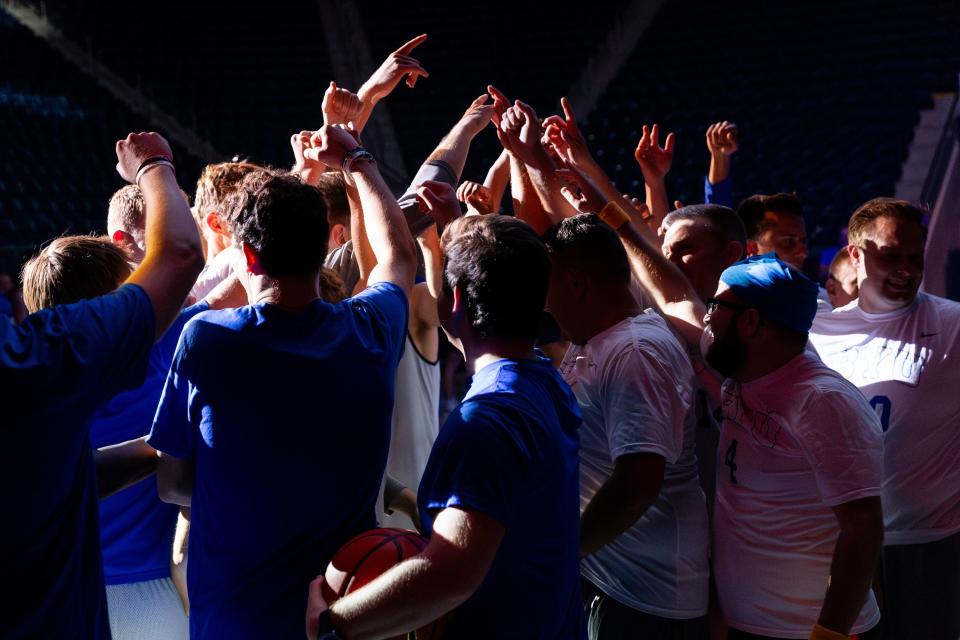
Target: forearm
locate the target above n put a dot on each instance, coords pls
(362, 251)
(498, 177)
(121, 465)
(547, 186)
(668, 288)
(384, 224)
(454, 147)
(407, 596)
(851, 575)
(656, 195)
(612, 510)
(719, 168)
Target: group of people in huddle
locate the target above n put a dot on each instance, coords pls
(670, 432)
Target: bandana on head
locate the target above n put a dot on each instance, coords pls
(777, 290)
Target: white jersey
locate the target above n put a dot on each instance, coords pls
(416, 422)
(634, 385)
(907, 364)
(793, 444)
(216, 271)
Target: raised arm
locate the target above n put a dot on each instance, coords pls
(454, 146)
(722, 142)
(655, 162)
(485, 198)
(397, 66)
(385, 226)
(666, 285)
(174, 257)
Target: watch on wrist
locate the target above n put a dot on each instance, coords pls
(325, 630)
(357, 153)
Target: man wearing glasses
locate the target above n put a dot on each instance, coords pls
(900, 347)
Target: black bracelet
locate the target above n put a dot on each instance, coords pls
(325, 630)
(154, 160)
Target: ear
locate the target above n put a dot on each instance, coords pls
(734, 252)
(457, 301)
(748, 323)
(119, 237)
(215, 223)
(830, 285)
(339, 234)
(855, 255)
(252, 259)
(753, 248)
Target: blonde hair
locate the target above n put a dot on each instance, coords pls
(73, 268)
(215, 186)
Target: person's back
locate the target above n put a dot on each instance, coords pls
(513, 443)
(289, 435)
(60, 364)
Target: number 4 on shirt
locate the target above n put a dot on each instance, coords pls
(882, 405)
(729, 459)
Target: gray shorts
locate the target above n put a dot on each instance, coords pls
(150, 610)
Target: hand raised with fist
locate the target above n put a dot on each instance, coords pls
(723, 138)
(136, 149)
(654, 160)
(330, 145)
(521, 133)
(475, 195)
(398, 65)
(565, 138)
(340, 106)
(439, 201)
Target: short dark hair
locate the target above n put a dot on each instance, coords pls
(283, 219)
(867, 213)
(752, 210)
(502, 270)
(585, 242)
(723, 221)
(73, 268)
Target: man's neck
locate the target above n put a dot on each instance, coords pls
(616, 306)
(479, 352)
(289, 294)
(865, 303)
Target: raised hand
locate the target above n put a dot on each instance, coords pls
(522, 131)
(565, 138)
(478, 115)
(723, 138)
(136, 149)
(475, 195)
(580, 191)
(340, 106)
(398, 65)
(300, 142)
(330, 145)
(439, 201)
(654, 160)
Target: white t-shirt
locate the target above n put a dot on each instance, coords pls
(634, 385)
(793, 444)
(215, 272)
(907, 364)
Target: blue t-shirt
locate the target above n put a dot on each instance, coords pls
(56, 368)
(511, 451)
(136, 527)
(720, 193)
(287, 420)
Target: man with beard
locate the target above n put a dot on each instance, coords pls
(798, 523)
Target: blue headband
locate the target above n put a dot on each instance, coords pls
(778, 291)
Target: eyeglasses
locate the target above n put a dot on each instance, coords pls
(713, 303)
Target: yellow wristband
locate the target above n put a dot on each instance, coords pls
(613, 215)
(822, 633)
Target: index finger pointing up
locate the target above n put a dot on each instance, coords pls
(410, 46)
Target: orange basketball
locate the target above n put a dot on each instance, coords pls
(366, 556)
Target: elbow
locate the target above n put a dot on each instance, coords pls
(172, 495)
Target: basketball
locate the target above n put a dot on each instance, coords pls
(366, 556)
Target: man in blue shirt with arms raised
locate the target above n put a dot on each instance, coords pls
(274, 424)
(500, 493)
(61, 364)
